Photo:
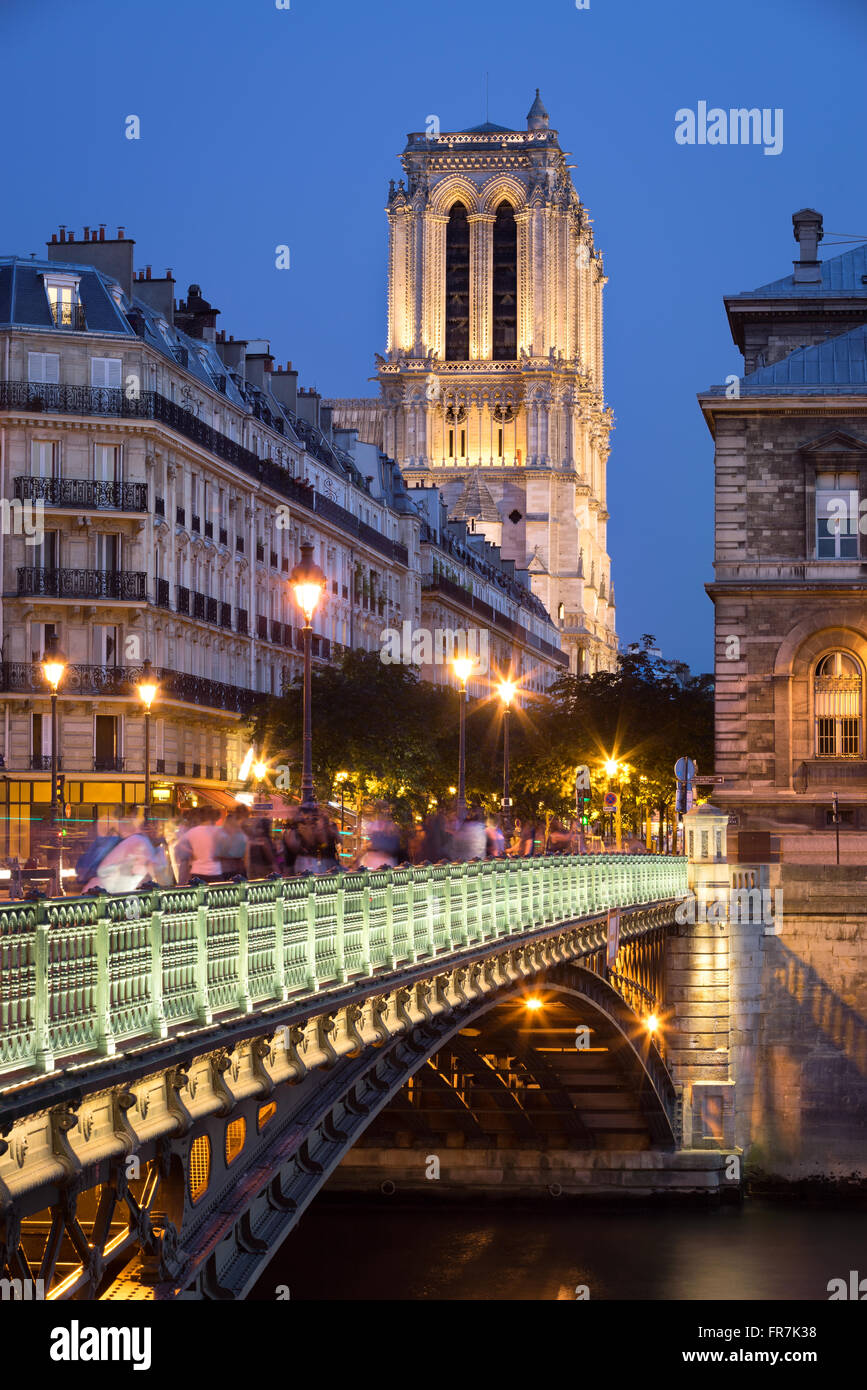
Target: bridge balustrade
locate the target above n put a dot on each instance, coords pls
(80, 976)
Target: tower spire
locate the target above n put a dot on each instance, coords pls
(537, 116)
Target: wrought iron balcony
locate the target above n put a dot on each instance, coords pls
(150, 405)
(225, 615)
(26, 678)
(224, 536)
(198, 605)
(84, 493)
(183, 598)
(66, 315)
(163, 599)
(109, 764)
(41, 762)
(124, 586)
(241, 622)
(159, 506)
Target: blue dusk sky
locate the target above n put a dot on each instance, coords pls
(263, 126)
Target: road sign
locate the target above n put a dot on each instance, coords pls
(684, 770)
(610, 800)
(716, 780)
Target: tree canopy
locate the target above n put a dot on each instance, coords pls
(396, 736)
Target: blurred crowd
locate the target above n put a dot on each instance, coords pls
(205, 845)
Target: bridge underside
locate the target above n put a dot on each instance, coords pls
(185, 1182)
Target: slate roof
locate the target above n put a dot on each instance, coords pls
(840, 361)
(842, 275)
(24, 304)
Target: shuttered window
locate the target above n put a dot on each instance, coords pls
(106, 371)
(44, 367)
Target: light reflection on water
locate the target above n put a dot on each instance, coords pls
(762, 1250)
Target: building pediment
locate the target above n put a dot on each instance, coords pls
(835, 442)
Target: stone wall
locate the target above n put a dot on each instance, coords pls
(799, 1028)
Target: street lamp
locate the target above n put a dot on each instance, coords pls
(148, 690)
(463, 668)
(307, 581)
(614, 769)
(53, 669)
(506, 691)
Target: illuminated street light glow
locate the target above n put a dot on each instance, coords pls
(533, 1003)
(463, 668)
(611, 768)
(651, 1023)
(53, 668)
(260, 771)
(507, 691)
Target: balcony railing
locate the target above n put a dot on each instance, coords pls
(125, 586)
(198, 606)
(183, 598)
(85, 493)
(241, 623)
(163, 599)
(225, 615)
(27, 678)
(108, 764)
(150, 405)
(41, 762)
(67, 315)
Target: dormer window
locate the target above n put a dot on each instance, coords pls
(63, 296)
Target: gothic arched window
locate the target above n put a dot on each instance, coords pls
(505, 303)
(458, 285)
(837, 695)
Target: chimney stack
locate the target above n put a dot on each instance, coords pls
(807, 226)
(112, 258)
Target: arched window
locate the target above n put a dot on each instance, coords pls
(837, 693)
(458, 285)
(505, 305)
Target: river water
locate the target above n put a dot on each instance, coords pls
(760, 1250)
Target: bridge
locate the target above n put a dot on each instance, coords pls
(182, 1070)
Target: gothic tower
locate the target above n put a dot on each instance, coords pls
(491, 386)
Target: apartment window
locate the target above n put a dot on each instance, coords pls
(107, 552)
(40, 739)
(40, 635)
(106, 463)
(105, 733)
(105, 645)
(106, 371)
(837, 516)
(43, 367)
(43, 459)
(62, 291)
(837, 696)
(46, 554)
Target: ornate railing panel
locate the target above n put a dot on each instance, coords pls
(66, 583)
(82, 679)
(84, 975)
(84, 492)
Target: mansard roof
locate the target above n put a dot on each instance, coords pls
(842, 275)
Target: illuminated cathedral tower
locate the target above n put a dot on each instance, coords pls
(491, 386)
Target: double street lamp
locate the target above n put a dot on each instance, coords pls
(53, 669)
(307, 582)
(148, 691)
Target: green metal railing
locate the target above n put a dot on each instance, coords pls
(80, 976)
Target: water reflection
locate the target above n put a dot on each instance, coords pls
(759, 1251)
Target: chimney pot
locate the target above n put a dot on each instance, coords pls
(54, 237)
(168, 272)
(102, 231)
(63, 234)
(71, 236)
(121, 232)
(147, 272)
(87, 234)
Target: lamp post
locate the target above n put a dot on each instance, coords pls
(463, 666)
(53, 668)
(613, 769)
(147, 689)
(307, 582)
(506, 691)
